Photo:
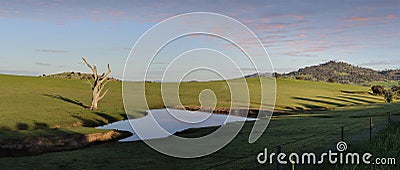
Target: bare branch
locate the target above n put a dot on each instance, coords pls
(103, 94)
(104, 77)
(108, 71)
(104, 84)
(84, 60)
(95, 71)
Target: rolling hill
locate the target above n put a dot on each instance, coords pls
(342, 72)
(60, 103)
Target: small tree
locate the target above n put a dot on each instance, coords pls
(98, 84)
(276, 75)
(396, 90)
(388, 96)
(378, 90)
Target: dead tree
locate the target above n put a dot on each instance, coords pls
(97, 86)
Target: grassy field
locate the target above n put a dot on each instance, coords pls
(312, 133)
(385, 144)
(37, 106)
(291, 94)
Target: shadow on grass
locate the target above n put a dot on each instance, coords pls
(319, 101)
(24, 126)
(39, 125)
(354, 92)
(371, 97)
(90, 122)
(314, 107)
(338, 99)
(356, 99)
(107, 117)
(94, 122)
(21, 126)
(76, 102)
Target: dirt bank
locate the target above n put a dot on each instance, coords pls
(37, 145)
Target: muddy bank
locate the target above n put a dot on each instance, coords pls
(38, 145)
(250, 112)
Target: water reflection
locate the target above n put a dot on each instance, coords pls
(172, 124)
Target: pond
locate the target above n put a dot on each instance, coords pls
(173, 123)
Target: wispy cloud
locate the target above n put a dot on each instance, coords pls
(381, 63)
(6, 12)
(370, 18)
(247, 69)
(295, 29)
(51, 51)
(42, 64)
(159, 62)
(19, 72)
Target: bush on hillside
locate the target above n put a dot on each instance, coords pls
(388, 96)
(378, 90)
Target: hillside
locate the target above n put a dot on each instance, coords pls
(342, 72)
(60, 103)
(74, 75)
(42, 106)
(32, 108)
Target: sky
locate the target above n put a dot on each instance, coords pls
(43, 37)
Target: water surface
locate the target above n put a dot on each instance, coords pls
(172, 124)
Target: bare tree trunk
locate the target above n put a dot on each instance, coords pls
(99, 82)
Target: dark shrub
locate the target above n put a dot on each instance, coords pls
(396, 90)
(388, 96)
(378, 90)
(331, 80)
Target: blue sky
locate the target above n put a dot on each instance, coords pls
(51, 36)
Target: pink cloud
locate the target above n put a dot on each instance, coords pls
(301, 35)
(279, 26)
(274, 37)
(265, 19)
(273, 26)
(358, 19)
(117, 13)
(298, 17)
(391, 16)
(248, 21)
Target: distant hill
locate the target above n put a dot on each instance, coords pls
(392, 74)
(74, 75)
(342, 72)
(258, 75)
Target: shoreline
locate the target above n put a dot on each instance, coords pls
(30, 146)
